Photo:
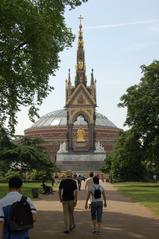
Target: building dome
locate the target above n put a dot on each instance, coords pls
(58, 118)
(52, 128)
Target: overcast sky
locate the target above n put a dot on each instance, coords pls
(119, 36)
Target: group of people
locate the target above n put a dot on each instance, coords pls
(68, 196)
(95, 200)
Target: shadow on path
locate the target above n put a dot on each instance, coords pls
(115, 226)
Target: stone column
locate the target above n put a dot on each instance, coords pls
(91, 137)
(94, 131)
(94, 138)
(70, 142)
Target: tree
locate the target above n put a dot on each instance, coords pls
(26, 156)
(125, 160)
(136, 153)
(33, 33)
(5, 140)
(5, 143)
(142, 102)
(128, 157)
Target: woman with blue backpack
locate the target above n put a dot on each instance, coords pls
(98, 201)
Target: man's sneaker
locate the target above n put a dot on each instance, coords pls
(66, 231)
(94, 231)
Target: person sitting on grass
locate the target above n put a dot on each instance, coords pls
(46, 189)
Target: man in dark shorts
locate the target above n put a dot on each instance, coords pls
(68, 197)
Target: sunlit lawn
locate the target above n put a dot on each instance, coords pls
(26, 189)
(145, 193)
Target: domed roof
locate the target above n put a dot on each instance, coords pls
(59, 118)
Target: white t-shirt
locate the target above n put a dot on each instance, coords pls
(89, 183)
(92, 190)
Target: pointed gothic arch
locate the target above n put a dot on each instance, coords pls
(82, 113)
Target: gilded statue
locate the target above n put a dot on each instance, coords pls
(81, 135)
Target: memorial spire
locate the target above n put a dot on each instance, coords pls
(80, 67)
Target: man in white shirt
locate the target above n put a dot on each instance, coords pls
(89, 181)
(88, 185)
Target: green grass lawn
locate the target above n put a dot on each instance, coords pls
(145, 193)
(26, 189)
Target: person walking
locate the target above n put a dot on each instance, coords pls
(88, 184)
(98, 195)
(68, 198)
(79, 180)
(13, 196)
(89, 181)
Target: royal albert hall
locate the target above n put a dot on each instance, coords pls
(78, 124)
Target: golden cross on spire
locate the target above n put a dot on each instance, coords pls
(80, 18)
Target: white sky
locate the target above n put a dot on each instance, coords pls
(119, 36)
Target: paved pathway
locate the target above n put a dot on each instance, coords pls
(122, 219)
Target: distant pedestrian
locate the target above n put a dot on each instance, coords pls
(52, 181)
(88, 185)
(75, 178)
(79, 180)
(98, 195)
(102, 177)
(68, 197)
(56, 179)
(89, 181)
(155, 178)
(13, 196)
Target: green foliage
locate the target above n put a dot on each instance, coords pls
(136, 152)
(30, 141)
(106, 168)
(11, 174)
(124, 163)
(129, 154)
(24, 157)
(33, 33)
(5, 140)
(42, 175)
(5, 144)
(142, 103)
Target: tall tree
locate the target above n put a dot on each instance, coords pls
(142, 102)
(33, 33)
(125, 161)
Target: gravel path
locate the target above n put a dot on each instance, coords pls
(122, 219)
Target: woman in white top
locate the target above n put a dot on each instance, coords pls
(98, 195)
